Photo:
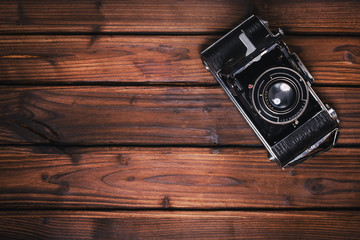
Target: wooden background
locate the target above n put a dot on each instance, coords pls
(111, 127)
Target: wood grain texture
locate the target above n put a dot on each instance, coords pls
(143, 115)
(180, 225)
(153, 59)
(165, 146)
(311, 16)
(197, 178)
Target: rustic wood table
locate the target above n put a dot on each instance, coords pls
(111, 128)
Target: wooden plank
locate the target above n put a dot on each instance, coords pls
(180, 225)
(143, 115)
(200, 178)
(165, 59)
(311, 16)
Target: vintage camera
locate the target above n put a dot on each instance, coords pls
(271, 88)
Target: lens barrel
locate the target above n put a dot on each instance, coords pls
(280, 95)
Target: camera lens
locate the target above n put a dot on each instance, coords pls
(281, 95)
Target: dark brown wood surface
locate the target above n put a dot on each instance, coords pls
(111, 128)
(179, 225)
(173, 177)
(154, 59)
(309, 16)
(143, 115)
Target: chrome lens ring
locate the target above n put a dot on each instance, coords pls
(280, 95)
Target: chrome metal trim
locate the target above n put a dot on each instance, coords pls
(302, 67)
(255, 59)
(306, 100)
(325, 107)
(313, 147)
(235, 28)
(250, 48)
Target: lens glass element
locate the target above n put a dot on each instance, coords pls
(281, 95)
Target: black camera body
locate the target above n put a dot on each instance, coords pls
(271, 88)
